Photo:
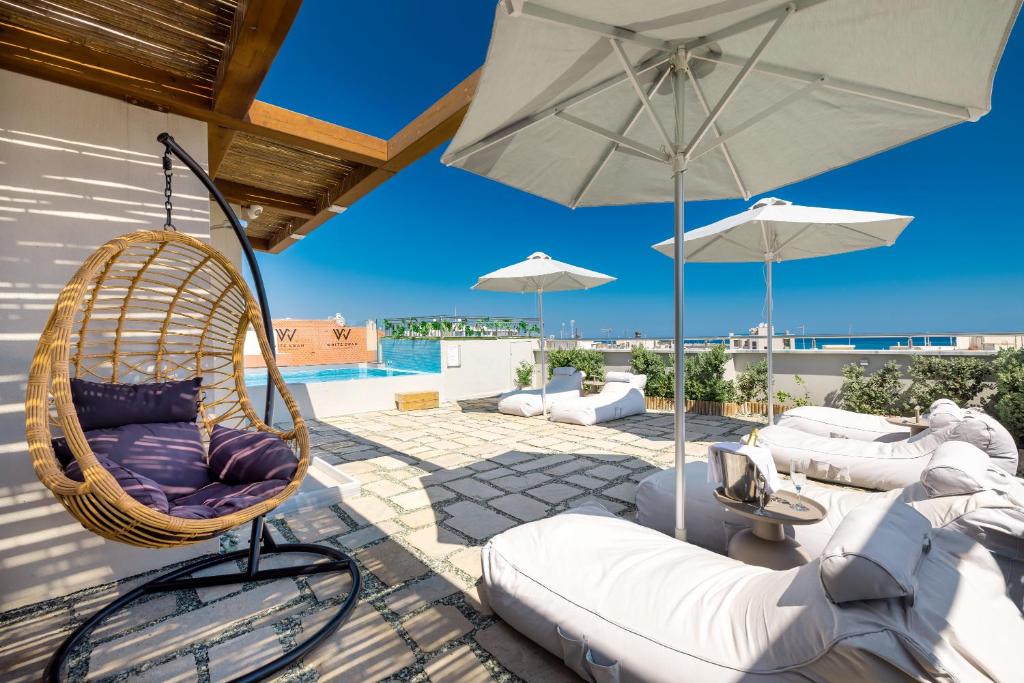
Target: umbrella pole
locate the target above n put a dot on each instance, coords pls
(679, 263)
(543, 374)
(771, 368)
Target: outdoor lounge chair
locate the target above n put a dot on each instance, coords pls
(891, 599)
(846, 424)
(959, 490)
(888, 465)
(622, 395)
(566, 383)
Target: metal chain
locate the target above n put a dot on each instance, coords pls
(168, 172)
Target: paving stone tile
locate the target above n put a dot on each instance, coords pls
(243, 654)
(421, 593)
(420, 518)
(435, 541)
(471, 488)
(520, 507)
(554, 492)
(316, 525)
(140, 613)
(585, 481)
(541, 463)
(476, 521)
(511, 458)
(436, 626)
(391, 563)
(468, 560)
(385, 488)
(568, 467)
(422, 498)
(357, 539)
(199, 625)
(327, 586)
(365, 648)
(457, 666)
(390, 462)
(522, 656)
(27, 644)
(178, 670)
(442, 476)
(625, 491)
(368, 510)
(521, 482)
(494, 473)
(607, 472)
(476, 597)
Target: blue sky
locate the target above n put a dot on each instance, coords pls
(416, 244)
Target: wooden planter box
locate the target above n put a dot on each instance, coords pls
(715, 407)
(418, 400)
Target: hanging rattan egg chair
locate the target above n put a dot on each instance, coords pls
(144, 309)
(149, 306)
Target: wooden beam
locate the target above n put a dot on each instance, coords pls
(309, 133)
(434, 126)
(218, 140)
(280, 202)
(258, 29)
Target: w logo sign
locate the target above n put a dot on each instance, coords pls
(342, 333)
(285, 334)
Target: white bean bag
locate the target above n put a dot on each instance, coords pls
(621, 395)
(888, 465)
(566, 383)
(890, 600)
(846, 424)
(959, 490)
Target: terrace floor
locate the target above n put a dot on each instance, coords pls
(436, 484)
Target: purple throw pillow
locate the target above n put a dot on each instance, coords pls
(102, 405)
(141, 488)
(243, 457)
(217, 499)
(168, 453)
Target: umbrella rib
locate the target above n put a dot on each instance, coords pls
(796, 236)
(653, 154)
(703, 247)
(881, 240)
(522, 124)
(699, 91)
(745, 25)
(607, 30)
(596, 170)
(755, 56)
(742, 246)
(644, 100)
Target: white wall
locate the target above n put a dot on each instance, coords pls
(487, 366)
(76, 169)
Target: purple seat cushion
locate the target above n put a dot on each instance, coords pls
(141, 488)
(219, 499)
(102, 405)
(170, 454)
(241, 457)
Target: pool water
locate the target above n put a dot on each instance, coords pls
(325, 373)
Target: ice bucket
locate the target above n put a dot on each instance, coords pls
(741, 479)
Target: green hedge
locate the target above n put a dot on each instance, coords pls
(590, 362)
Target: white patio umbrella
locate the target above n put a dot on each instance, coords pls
(540, 273)
(774, 230)
(596, 102)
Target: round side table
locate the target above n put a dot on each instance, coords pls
(765, 544)
(915, 424)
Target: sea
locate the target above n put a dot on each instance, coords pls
(860, 343)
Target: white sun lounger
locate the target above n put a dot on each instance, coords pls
(566, 383)
(959, 490)
(846, 424)
(622, 395)
(888, 465)
(890, 600)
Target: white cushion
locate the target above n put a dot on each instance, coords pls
(846, 424)
(985, 432)
(956, 468)
(944, 413)
(874, 554)
(564, 370)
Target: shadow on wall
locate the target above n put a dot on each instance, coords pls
(76, 169)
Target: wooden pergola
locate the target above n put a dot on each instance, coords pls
(206, 59)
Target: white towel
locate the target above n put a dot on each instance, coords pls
(759, 455)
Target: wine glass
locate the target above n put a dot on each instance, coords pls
(798, 474)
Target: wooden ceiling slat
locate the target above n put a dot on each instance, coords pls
(284, 204)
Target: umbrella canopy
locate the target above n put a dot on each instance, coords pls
(596, 102)
(540, 273)
(774, 230)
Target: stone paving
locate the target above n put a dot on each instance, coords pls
(436, 484)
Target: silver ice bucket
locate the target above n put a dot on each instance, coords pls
(741, 480)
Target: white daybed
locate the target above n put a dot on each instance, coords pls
(891, 599)
(888, 465)
(566, 383)
(846, 424)
(621, 395)
(959, 490)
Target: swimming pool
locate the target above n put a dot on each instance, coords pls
(325, 373)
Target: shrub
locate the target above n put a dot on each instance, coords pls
(879, 394)
(787, 398)
(752, 383)
(590, 362)
(524, 374)
(705, 376)
(659, 375)
(1008, 404)
(960, 379)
